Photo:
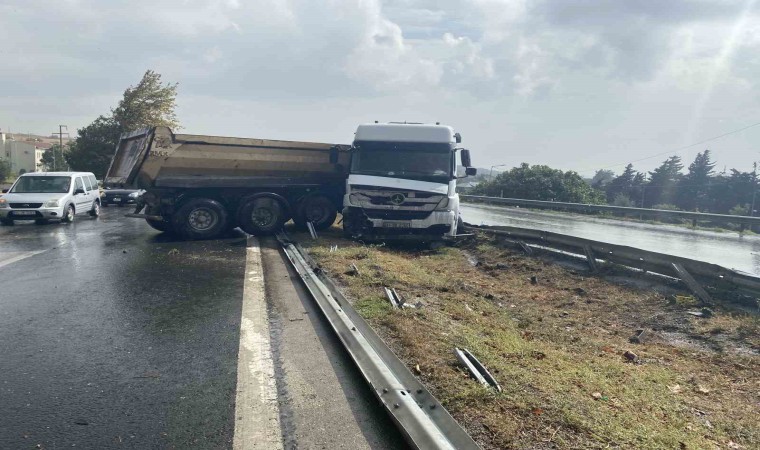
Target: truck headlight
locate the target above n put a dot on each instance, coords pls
(3, 203)
(52, 203)
(443, 204)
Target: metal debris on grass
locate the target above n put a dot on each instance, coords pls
(476, 369)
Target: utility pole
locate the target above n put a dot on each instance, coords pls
(754, 189)
(60, 134)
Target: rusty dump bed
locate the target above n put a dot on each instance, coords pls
(158, 158)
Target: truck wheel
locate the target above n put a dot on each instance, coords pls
(159, 225)
(319, 210)
(200, 218)
(261, 216)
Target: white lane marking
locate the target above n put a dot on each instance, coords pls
(12, 257)
(257, 413)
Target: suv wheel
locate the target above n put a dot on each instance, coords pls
(200, 218)
(68, 214)
(95, 211)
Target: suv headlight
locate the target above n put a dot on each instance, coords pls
(134, 195)
(3, 203)
(52, 203)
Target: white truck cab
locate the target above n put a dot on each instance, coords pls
(402, 181)
(44, 196)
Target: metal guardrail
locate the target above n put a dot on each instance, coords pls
(423, 421)
(592, 209)
(695, 274)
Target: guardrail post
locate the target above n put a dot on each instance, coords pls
(692, 284)
(591, 258)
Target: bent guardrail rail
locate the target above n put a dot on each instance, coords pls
(592, 209)
(695, 274)
(423, 421)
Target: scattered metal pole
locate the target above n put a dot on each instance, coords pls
(60, 134)
(476, 368)
(695, 287)
(312, 231)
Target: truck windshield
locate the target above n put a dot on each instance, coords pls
(39, 185)
(414, 161)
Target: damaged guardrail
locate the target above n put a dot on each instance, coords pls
(695, 217)
(695, 274)
(423, 421)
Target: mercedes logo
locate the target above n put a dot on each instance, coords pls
(397, 199)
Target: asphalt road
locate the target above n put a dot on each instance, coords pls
(113, 335)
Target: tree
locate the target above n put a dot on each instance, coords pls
(149, 104)
(694, 188)
(541, 183)
(94, 146)
(602, 178)
(5, 169)
(622, 184)
(663, 182)
(54, 159)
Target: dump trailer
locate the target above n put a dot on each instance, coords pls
(201, 186)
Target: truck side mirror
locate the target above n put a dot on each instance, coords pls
(470, 171)
(466, 158)
(458, 138)
(334, 155)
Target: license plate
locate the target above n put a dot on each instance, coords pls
(387, 224)
(117, 199)
(24, 213)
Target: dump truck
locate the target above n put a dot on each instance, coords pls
(202, 186)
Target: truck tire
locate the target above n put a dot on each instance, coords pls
(262, 216)
(318, 209)
(159, 225)
(200, 218)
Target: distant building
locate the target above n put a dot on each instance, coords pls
(24, 156)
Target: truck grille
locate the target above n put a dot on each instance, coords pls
(396, 200)
(25, 205)
(396, 215)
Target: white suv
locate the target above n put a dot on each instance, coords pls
(41, 196)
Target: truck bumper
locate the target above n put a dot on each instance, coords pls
(438, 224)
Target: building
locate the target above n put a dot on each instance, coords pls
(24, 156)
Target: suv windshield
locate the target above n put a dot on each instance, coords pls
(38, 185)
(415, 161)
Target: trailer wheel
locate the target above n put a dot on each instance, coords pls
(319, 210)
(200, 218)
(261, 216)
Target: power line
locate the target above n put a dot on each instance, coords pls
(680, 148)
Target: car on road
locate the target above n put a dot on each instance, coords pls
(119, 197)
(44, 196)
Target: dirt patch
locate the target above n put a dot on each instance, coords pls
(559, 341)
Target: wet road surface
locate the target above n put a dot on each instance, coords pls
(113, 335)
(728, 249)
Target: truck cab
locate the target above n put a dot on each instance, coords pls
(402, 182)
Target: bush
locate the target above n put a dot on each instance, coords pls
(623, 201)
(739, 210)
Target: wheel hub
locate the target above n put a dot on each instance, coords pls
(202, 219)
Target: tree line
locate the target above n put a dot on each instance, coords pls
(700, 188)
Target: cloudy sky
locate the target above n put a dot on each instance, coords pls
(576, 84)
